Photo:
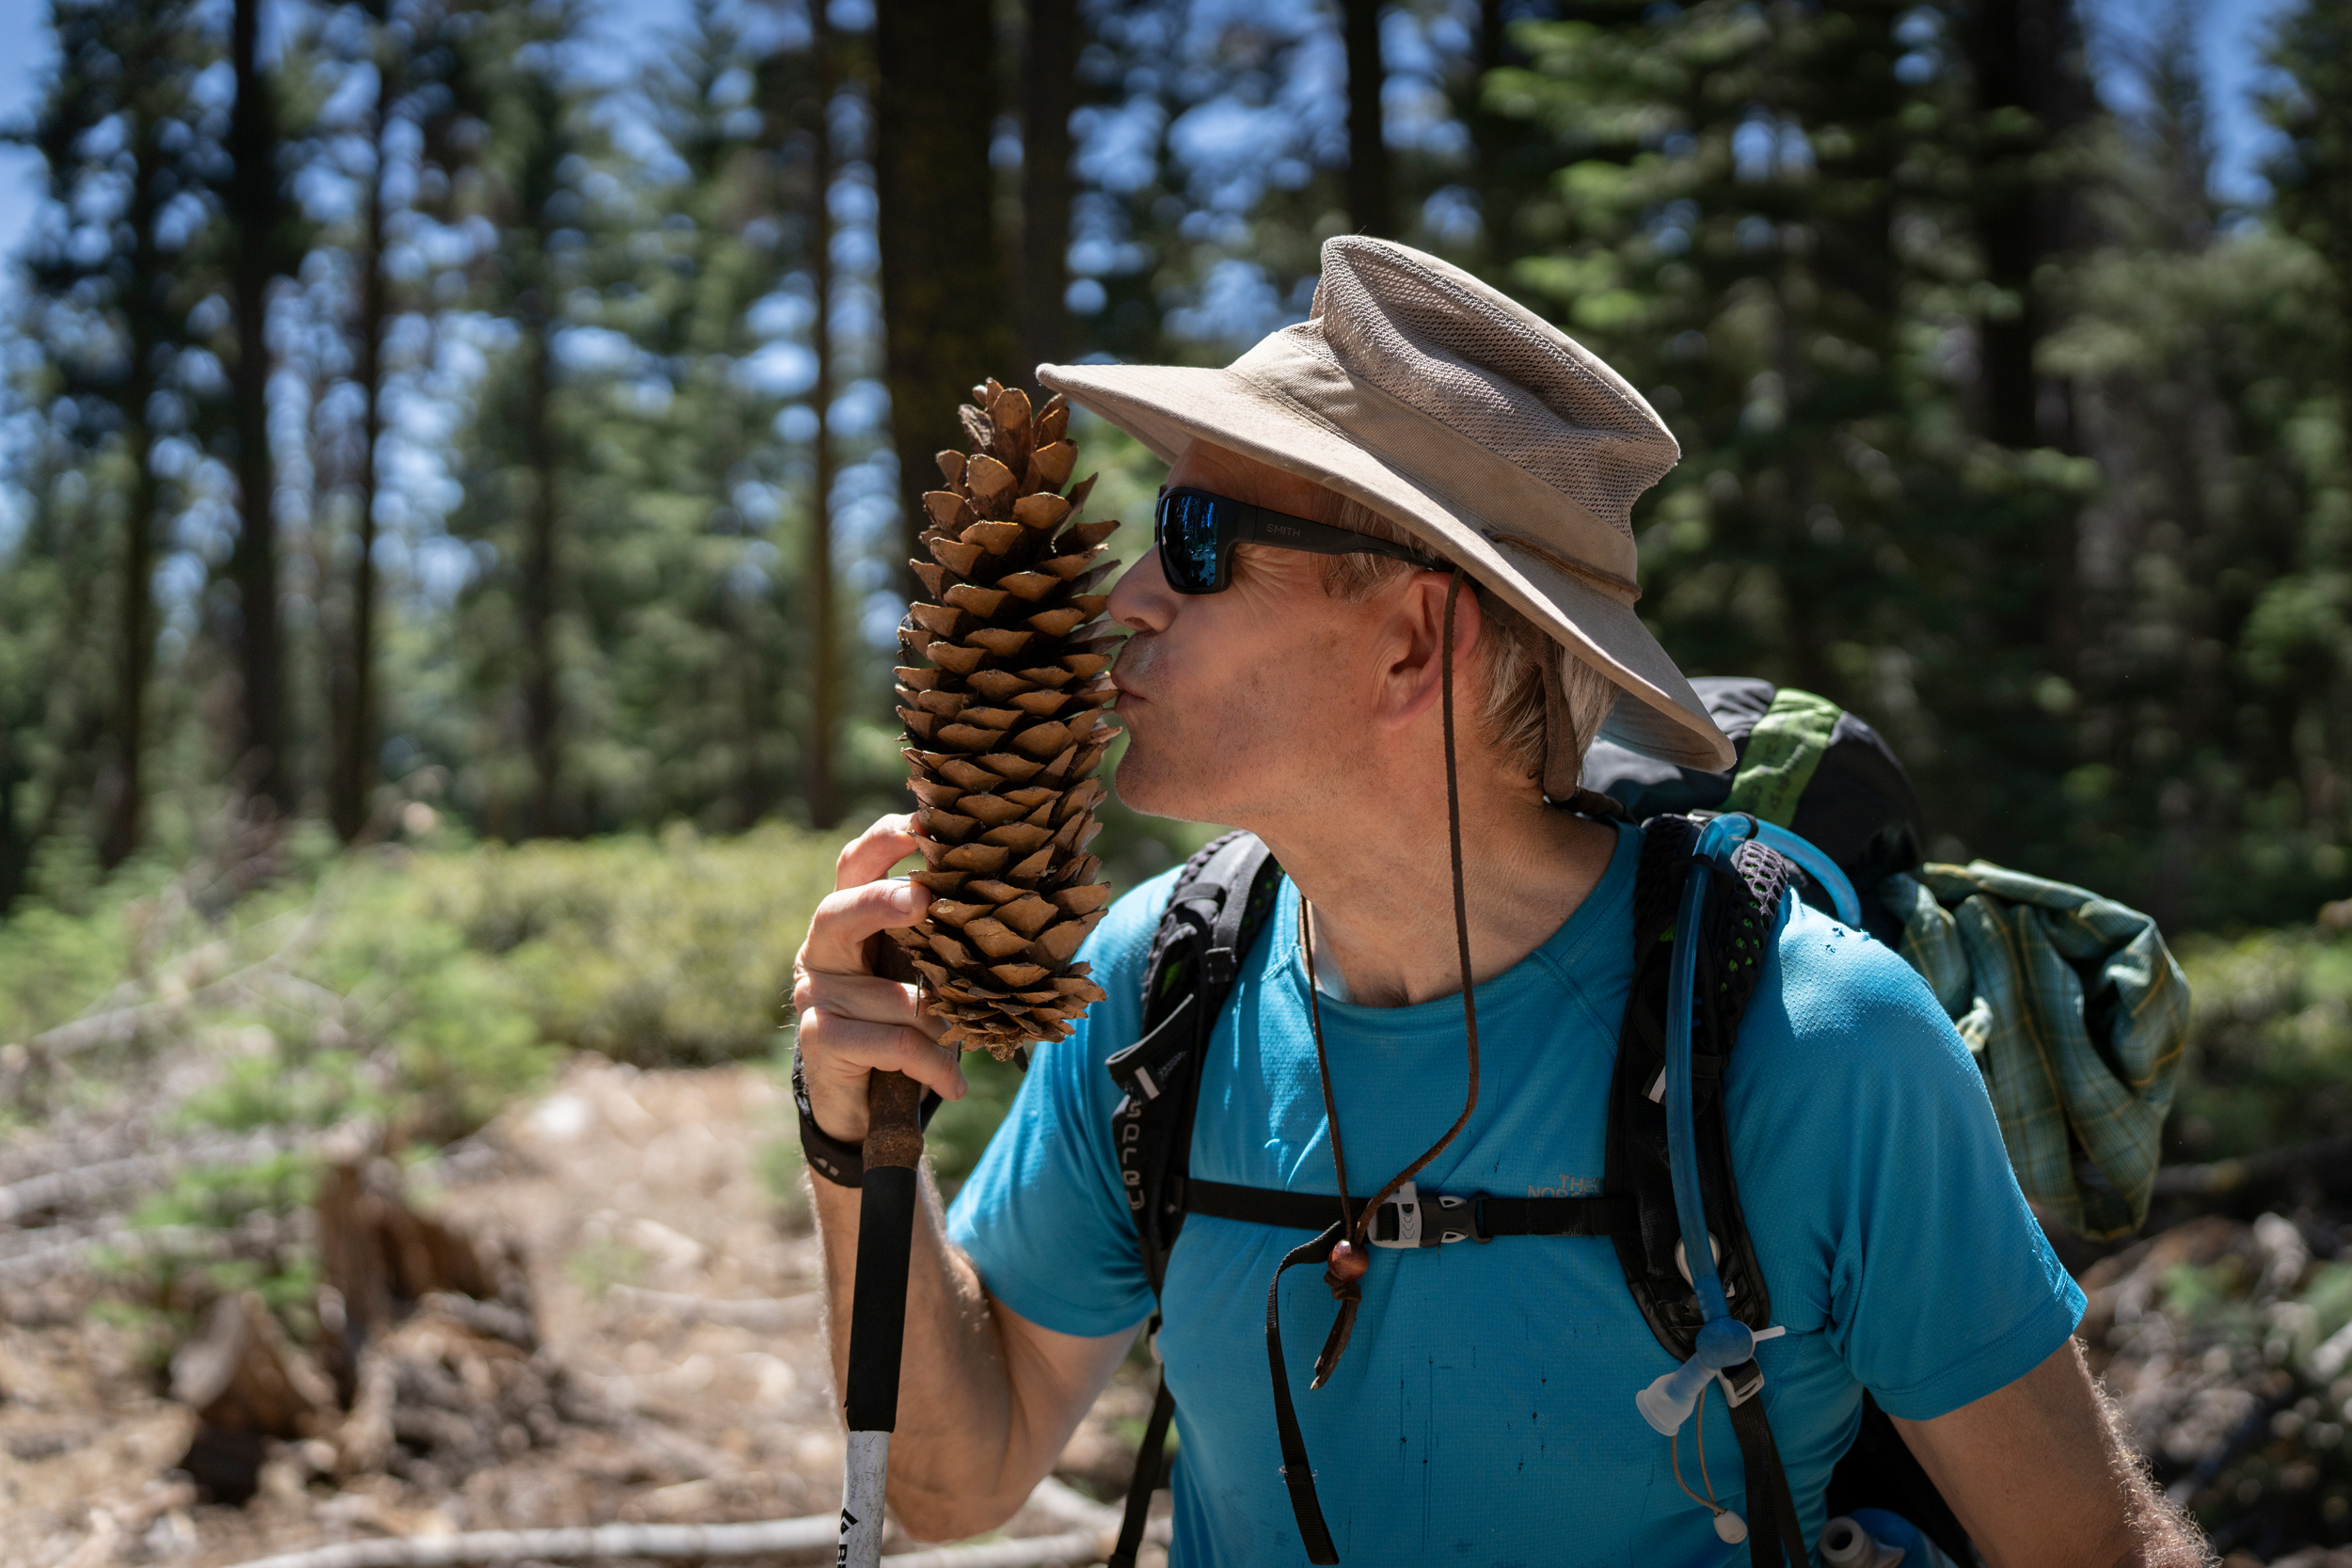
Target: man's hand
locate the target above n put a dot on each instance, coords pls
(2042, 1478)
(852, 1021)
(986, 1398)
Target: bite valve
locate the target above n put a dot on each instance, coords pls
(1667, 1403)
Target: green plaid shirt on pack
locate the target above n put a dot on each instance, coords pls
(2076, 1013)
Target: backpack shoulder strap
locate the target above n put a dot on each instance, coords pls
(1221, 899)
(1742, 914)
(1741, 919)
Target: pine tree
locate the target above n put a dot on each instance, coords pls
(1721, 230)
(1049, 85)
(697, 652)
(416, 51)
(54, 676)
(2312, 177)
(112, 306)
(261, 252)
(946, 312)
(525, 473)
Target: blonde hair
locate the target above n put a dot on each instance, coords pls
(1513, 647)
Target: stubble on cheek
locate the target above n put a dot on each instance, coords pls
(1232, 746)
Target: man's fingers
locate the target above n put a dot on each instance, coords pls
(873, 853)
(868, 998)
(837, 933)
(852, 1047)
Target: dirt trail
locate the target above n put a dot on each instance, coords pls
(638, 1201)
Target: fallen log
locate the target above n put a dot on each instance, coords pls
(113, 1178)
(669, 1543)
(38, 1262)
(1076, 1549)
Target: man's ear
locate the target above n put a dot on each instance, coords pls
(1415, 672)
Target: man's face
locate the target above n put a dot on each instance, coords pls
(1251, 704)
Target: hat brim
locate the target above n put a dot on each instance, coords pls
(1168, 406)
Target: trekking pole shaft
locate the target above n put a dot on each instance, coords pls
(878, 1308)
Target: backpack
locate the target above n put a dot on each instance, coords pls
(1803, 765)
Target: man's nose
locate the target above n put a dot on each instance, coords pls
(1141, 599)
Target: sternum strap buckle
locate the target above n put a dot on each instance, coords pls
(1416, 1219)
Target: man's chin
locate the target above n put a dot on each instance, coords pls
(1147, 791)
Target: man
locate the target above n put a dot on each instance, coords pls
(1483, 1410)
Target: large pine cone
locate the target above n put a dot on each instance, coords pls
(1003, 732)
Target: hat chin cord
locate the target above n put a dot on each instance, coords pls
(1342, 1249)
(1348, 1261)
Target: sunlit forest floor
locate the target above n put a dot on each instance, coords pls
(569, 1057)
(674, 1294)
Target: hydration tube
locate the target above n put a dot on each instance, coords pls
(1722, 1340)
(1815, 864)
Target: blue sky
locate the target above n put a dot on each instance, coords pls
(2230, 33)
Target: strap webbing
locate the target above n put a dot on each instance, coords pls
(1773, 1538)
(1146, 1480)
(1492, 1216)
(1297, 1474)
(1783, 751)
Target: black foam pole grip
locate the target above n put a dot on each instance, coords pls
(878, 1312)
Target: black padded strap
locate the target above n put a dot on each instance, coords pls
(1773, 1538)
(1297, 1474)
(1234, 869)
(1145, 1480)
(1488, 1217)
(1221, 899)
(1742, 913)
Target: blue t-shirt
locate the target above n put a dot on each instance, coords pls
(1483, 1412)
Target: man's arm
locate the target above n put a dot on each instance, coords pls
(2042, 1477)
(986, 1399)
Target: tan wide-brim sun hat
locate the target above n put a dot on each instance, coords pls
(1466, 419)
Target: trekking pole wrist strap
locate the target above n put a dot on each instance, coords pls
(828, 1157)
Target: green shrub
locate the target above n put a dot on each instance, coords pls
(667, 953)
(2270, 1059)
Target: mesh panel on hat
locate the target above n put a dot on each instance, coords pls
(1501, 378)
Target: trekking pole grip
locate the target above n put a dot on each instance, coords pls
(888, 1196)
(893, 1136)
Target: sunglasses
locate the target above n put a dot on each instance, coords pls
(1196, 532)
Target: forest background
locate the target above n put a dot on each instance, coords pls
(443, 451)
(421, 434)
(404, 405)
(456, 479)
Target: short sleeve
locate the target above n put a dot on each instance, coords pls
(1042, 1217)
(1865, 1136)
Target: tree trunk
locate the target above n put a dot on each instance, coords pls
(1370, 204)
(824, 665)
(351, 694)
(2027, 54)
(1049, 92)
(122, 789)
(253, 561)
(540, 716)
(943, 305)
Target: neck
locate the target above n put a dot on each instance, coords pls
(1379, 875)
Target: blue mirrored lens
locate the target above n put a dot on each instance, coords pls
(1187, 530)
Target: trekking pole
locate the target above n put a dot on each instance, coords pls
(878, 1308)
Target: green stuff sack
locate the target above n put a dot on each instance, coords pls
(2076, 1013)
(2071, 1003)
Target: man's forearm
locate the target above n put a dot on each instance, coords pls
(960, 1461)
